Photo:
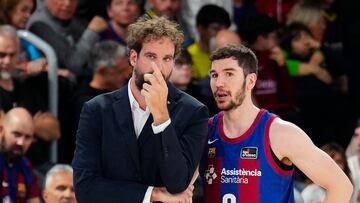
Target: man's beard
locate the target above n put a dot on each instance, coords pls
(9, 155)
(239, 99)
(139, 79)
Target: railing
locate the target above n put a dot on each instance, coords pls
(52, 78)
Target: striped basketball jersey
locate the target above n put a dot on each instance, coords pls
(244, 169)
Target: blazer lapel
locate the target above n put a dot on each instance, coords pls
(123, 115)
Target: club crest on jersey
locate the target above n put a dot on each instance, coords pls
(210, 174)
(249, 153)
(211, 152)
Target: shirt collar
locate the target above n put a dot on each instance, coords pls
(133, 102)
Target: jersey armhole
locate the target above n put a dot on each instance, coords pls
(273, 160)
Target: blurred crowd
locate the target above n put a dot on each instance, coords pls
(308, 72)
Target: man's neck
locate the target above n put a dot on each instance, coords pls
(238, 121)
(119, 29)
(204, 45)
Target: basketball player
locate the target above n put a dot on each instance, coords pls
(251, 153)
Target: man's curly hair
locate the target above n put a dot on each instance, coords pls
(152, 28)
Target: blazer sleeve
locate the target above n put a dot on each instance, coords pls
(181, 150)
(89, 183)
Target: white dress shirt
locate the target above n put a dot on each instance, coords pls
(140, 117)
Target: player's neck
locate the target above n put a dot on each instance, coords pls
(239, 120)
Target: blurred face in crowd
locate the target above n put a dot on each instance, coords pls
(317, 29)
(159, 52)
(226, 36)
(227, 82)
(267, 42)
(62, 9)
(21, 13)
(16, 136)
(60, 189)
(208, 34)
(301, 44)
(357, 140)
(167, 8)
(9, 48)
(123, 12)
(117, 76)
(181, 75)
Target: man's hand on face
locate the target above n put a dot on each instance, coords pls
(155, 92)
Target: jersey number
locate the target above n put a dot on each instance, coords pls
(229, 198)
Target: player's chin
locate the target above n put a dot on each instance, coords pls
(222, 105)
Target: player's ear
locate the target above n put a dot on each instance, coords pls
(133, 55)
(251, 81)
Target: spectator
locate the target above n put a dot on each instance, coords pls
(111, 71)
(19, 183)
(17, 13)
(314, 93)
(191, 8)
(207, 26)
(274, 88)
(303, 56)
(226, 36)
(122, 14)
(310, 16)
(13, 91)
(171, 9)
(168, 8)
(181, 74)
(72, 41)
(58, 186)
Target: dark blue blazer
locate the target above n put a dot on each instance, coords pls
(112, 165)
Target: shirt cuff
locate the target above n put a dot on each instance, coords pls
(159, 128)
(148, 194)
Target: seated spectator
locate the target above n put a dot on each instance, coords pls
(55, 23)
(170, 9)
(19, 184)
(302, 53)
(58, 187)
(314, 92)
(354, 162)
(207, 26)
(9, 49)
(274, 88)
(313, 193)
(191, 8)
(121, 14)
(111, 71)
(181, 74)
(17, 13)
(312, 16)
(13, 91)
